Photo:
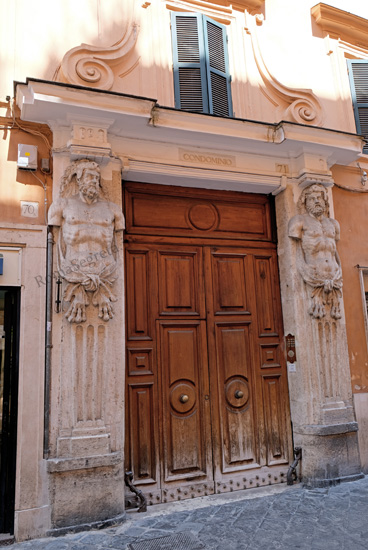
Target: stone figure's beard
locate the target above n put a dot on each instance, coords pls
(317, 210)
(89, 192)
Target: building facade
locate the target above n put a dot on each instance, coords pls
(183, 268)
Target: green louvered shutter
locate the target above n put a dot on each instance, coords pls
(189, 63)
(218, 76)
(200, 60)
(358, 75)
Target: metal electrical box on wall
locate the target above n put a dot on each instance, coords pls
(27, 157)
(11, 263)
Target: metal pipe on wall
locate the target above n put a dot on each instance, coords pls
(48, 342)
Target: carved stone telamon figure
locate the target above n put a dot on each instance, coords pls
(86, 248)
(317, 257)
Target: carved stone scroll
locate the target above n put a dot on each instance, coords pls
(86, 248)
(88, 65)
(302, 105)
(317, 258)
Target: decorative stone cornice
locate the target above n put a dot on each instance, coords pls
(224, 6)
(341, 24)
(88, 65)
(134, 118)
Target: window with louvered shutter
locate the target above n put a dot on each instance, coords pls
(201, 74)
(358, 75)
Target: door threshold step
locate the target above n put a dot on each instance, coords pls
(213, 500)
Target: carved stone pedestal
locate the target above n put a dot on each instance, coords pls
(322, 411)
(330, 453)
(86, 462)
(89, 492)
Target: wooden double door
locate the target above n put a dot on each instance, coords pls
(207, 404)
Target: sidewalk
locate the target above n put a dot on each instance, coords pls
(278, 517)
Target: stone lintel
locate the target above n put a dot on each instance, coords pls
(329, 429)
(56, 465)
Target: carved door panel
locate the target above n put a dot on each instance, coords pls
(180, 282)
(207, 403)
(248, 383)
(168, 430)
(186, 428)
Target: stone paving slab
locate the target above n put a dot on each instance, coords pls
(277, 518)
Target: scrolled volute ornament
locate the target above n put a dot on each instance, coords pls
(94, 71)
(318, 261)
(304, 111)
(91, 66)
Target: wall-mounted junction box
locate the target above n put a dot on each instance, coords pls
(27, 157)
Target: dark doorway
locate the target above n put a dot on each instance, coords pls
(9, 352)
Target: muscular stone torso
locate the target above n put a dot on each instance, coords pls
(88, 231)
(319, 245)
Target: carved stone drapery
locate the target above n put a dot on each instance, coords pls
(86, 250)
(317, 258)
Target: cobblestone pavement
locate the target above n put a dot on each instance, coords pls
(280, 517)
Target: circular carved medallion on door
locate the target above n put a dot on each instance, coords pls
(237, 392)
(203, 216)
(182, 397)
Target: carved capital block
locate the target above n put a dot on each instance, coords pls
(306, 178)
(89, 141)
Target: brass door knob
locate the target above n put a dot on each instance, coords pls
(184, 398)
(239, 394)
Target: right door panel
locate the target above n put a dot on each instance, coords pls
(249, 405)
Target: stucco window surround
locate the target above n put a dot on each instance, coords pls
(346, 43)
(358, 78)
(363, 277)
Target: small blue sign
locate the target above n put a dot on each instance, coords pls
(1, 264)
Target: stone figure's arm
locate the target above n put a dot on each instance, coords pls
(55, 215)
(119, 222)
(337, 238)
(295, 228)
(295, 231)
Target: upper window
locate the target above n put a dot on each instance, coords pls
(201, 67)
(358, 75)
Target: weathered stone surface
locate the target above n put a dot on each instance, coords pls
(85, 462)
(284, 518)
(87, 496)
(311, 289)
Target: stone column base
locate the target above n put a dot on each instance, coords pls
(86, 492)
(330, 453)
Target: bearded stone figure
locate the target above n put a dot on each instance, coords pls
(86, 249)
(317, 257)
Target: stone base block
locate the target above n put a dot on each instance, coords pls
(361, 410)
(31, 523)
(61, 531)
(85, 491)
(330, 453)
